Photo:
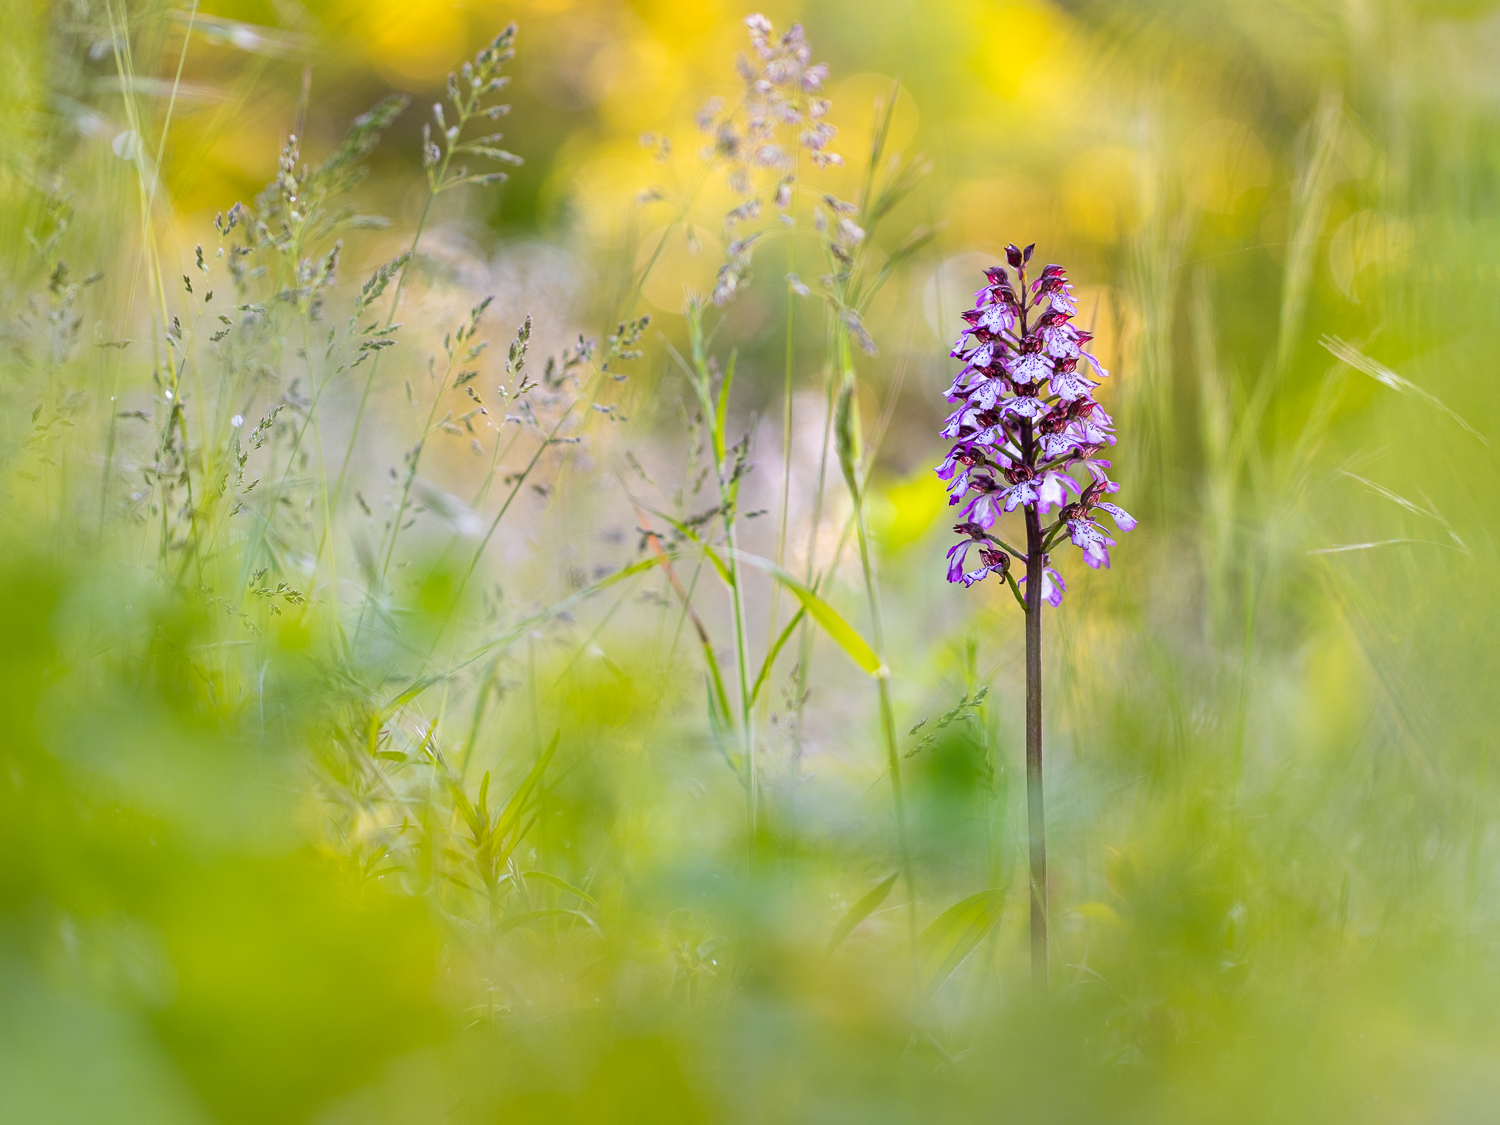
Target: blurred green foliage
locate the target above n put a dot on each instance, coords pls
(311, 813)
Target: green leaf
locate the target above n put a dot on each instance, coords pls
(560, 884)
(765, 668)
(466, 810)
(537, 915)
(516, 806)
(846, 439)
(952, 936)
(688, 533)
(843, 634)
(860, 911)
(718, 698)
(608, 581)
(919, 238)
(720, 565)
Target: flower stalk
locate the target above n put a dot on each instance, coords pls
(1025, 431)
(1036, 814)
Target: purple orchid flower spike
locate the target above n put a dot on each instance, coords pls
(1026, 435)
(1025, 422)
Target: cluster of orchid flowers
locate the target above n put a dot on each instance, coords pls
(1026, 421)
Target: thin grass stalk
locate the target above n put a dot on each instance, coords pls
(161, 146)
(411, 473)
(1310, 208)
(686, 205)
(888, 725)
(786, 433)
(125, 69)
(520, 480)
(742, 670)
(835, 333)
(585, 391)
(686, 597)
(788, 365)
(437, 182)
(846, 427)
(728, 478)
(364, 397)
(805, 640)
(515, 490)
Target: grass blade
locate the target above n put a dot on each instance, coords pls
(692, 536)
(516, 806)
(842, 633)
(537, 915)
(775, 650)
(1382, 374)
(560, 884)
(861, 910)
(952, 936)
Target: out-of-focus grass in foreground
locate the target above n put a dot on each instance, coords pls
(391, 785)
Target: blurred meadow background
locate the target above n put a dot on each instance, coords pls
(400, 728)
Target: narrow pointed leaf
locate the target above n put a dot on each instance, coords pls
(860, 911)
(560, 884)
(713, 556)
(719, 698)
(720, 565)
(765, 668)
(466, 810)
(952, 936)
(833, 623)
(516, 806)
(537, 915)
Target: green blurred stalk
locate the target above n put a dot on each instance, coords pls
(846, 435)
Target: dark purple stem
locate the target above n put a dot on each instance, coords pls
(1035, 814)
(1036, 558)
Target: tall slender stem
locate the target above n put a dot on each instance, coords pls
(848, 442)
(747, 714)
(786, 439)
(364, 396)
(1036, 561)
(789, 361)
(888, 722)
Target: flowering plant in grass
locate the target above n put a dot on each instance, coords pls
(1025, 423)
(1027, 435)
